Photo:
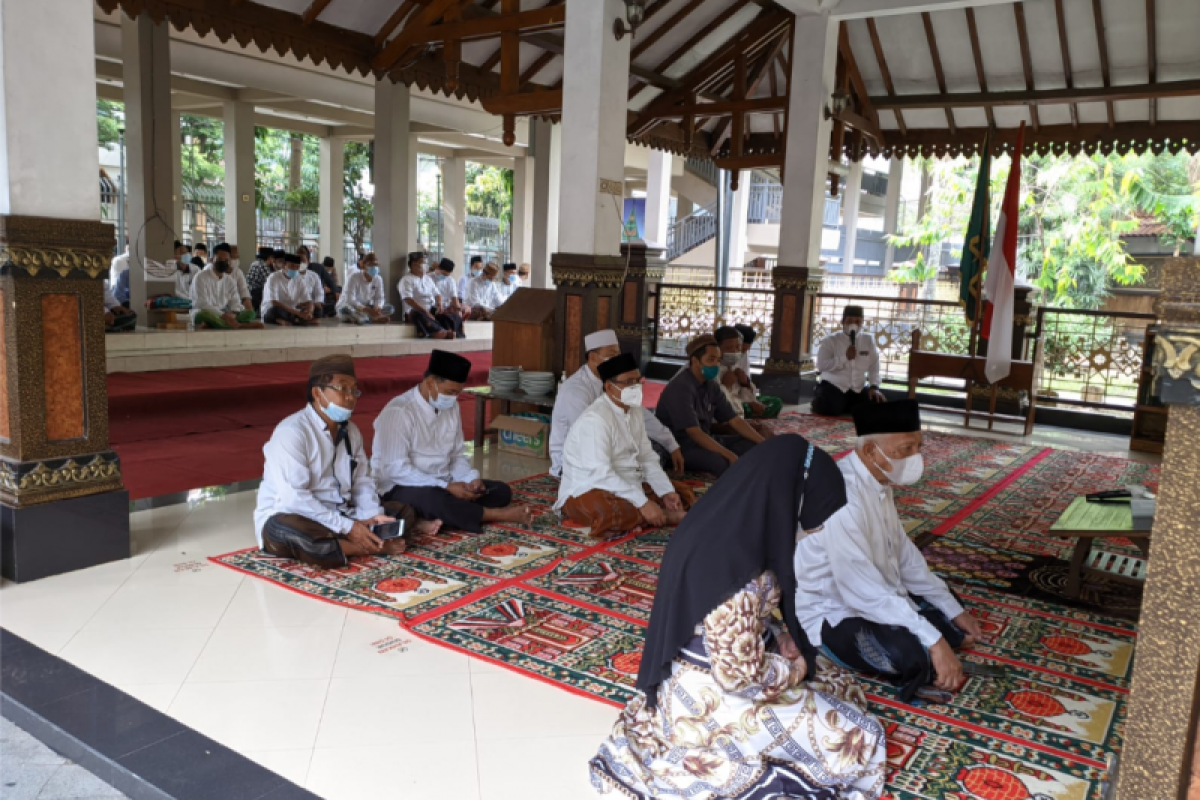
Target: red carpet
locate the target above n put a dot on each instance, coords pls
(178, 430)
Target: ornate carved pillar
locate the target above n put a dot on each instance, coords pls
(588, 288)
(62, 504)
(637, 307)
(1158, 757)
(796, 291)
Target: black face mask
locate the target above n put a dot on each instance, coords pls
(221, 266)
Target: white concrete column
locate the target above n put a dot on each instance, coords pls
(595, 92)
(394, 211)
(658, 198)
(853, 194)
(147, 77)
(739, 213)
(454, 213)
(241, 224)
(522, 214)
(891, 208)
(332, 196)
(49, 163)
(545, 146)
(814, 59)
(414, 172)
(177, 176)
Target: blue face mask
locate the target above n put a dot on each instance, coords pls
(510, 278)
(291, 273)
(373, 272)
(337, 413)
(443, 402)
(441, 276)
(711, 373)
(475, 273)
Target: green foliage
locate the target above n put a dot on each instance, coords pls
(273, 171)
(202, 154)
(489, 192)
(358, 210)
(1168, 188)
(110, 118)
(916, 272)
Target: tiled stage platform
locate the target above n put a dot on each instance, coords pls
(148, 349)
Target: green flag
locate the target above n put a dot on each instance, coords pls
(978, 245)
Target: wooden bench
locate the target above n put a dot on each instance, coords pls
(1022, 376)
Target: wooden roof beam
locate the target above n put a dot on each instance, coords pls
(856, 81)
(420, 22)
(1061, 20)
(765, 68)
(650, 39)
(1042, 97)
(548, 17)
(973, 31)
(1026, 58)
(399, 15)
(1102, 42)
(938, 72)
(699, 36)
(886, 73)
(492, 60)
(1152, 54)
(313, 11)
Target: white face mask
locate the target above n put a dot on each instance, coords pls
(443, 402)
(905, 471)
(731, 359)
(632, 396)
(849, 329)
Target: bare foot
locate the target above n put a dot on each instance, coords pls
(283, 323)
(394, 547)
(443, 335)
(675, 517)
(518, 513)
(428, 527)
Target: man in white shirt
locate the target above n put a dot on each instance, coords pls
(117, 318)
(317, 503)
(224, 253)
(483, 294)
(579, 391)
(419, 457)
(474, 270)
(451, 314)
(118, 265)
(361, 301)
(185, 275)
(314, 290)
(287, 299)
(868, 596)
(216, 302)
(509, 283)
(735, 382)
(612, 481)
(421, 301)
(849, 365)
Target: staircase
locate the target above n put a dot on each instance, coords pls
(692, 231)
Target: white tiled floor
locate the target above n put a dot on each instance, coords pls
(301, 687)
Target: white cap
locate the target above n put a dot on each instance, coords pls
(594, 341)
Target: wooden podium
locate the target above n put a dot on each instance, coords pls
(523, 331)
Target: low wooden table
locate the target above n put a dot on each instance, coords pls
(1090, 521)
(483, 394)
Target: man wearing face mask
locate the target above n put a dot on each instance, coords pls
(362, 301)
(509, 283)
(736, 383)
(223, 254)
(419, 457)
(216, 301)
(696, 411)
(317, 503)
(474, 270)
(450, 314)
(285, 299)
(868, 596)
(421, 301)
(483, 294)
(849, 365)
(612, 481)
(260, 269)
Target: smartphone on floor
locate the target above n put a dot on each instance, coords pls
(389, 530)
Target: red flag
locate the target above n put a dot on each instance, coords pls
(999, 288)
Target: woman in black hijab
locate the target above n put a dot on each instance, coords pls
(731, 703)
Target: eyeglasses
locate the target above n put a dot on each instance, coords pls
(355, 393)
(630, 382)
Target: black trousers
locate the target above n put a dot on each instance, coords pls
(275, 315)
(890, 651)
(256, 298)
(697, 459)
(427, 325)
(433, 502)
(298, 537)
(451, 322)
(830, 401)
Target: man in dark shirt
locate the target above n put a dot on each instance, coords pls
(327, 272)
(710, 434)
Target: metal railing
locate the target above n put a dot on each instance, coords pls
(703, 169)
(1091, 359)
(875, 183)
(765, 205)
(692, 231)
(685, 312)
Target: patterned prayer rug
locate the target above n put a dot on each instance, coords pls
(549, 602)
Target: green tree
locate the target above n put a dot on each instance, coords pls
(202, 154)
(110, 118)
(489, 192)
(358, 209)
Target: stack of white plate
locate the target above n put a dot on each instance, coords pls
(537, 383)
(505, 379)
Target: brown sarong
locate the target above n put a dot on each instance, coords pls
(309, 542)
(606, 514)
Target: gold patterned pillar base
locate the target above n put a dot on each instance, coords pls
(53, 394)
(792, 347)
(1158, 757)
(588, 288)
(637, 308)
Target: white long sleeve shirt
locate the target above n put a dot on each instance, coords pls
(446, 289)
(314, 289)
(483, 293)
(608, 449)
(421, 289)
(289, 292)
(416, 445)
(184, 281)
(212, 291)
(239, 279)
(463, 283)
(506, 290)
(862, 564)
(574, 396)
(110, 299)
(118, 265)
(306, 473)
(835, 368)
(361, 291)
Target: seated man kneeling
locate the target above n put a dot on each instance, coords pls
(868, 595)
(612, 480)
(317, 502)
(419, 457)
